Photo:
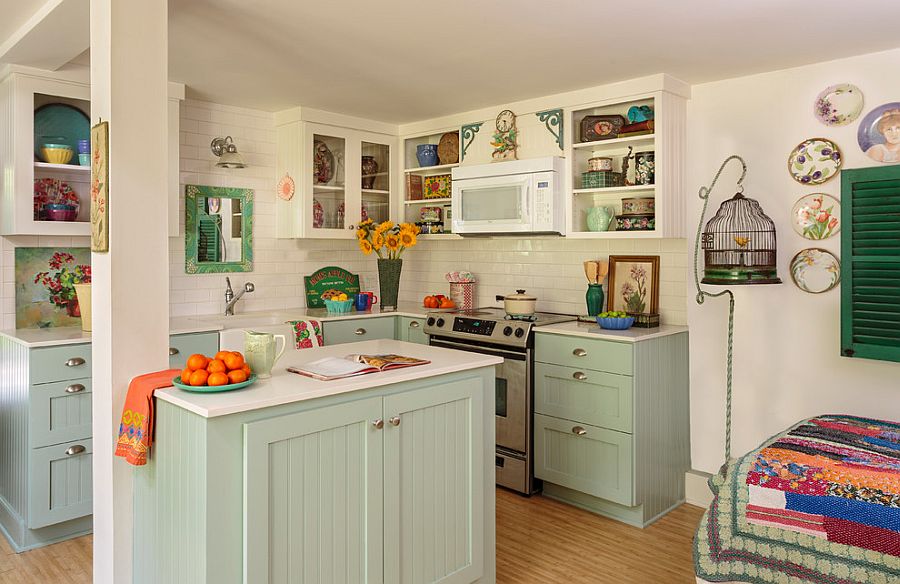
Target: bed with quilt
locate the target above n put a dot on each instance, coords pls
(819, 503)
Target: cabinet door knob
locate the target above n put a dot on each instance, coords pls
(579, 431)
(351, 227)
(378, 424)
(74, 362)
(395, 421)
(173, 351)
(579, 352)
(359, 331)
(579, 376)
(73, 450)
(75, 388)
(414, 324)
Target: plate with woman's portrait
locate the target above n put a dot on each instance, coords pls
(879, 133)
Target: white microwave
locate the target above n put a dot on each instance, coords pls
(519, 196)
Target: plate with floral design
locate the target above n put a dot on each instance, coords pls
(816, 216)
(814, 161)
(839, 105)
(815, 270)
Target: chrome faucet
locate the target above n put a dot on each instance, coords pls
(230, 297)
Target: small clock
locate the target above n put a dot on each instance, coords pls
(506, 120)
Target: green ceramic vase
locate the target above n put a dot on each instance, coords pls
(594, 299)
(389, 281)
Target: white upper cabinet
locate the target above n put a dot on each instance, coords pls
(341, 174)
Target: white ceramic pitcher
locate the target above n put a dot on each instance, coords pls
(260, 353)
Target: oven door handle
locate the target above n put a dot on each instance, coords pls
(475, 349)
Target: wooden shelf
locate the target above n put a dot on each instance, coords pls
(430, 169)
(428, 201)
(613, 190)
(375, 192)
(76, 168)
(627, 141)
(327, 188)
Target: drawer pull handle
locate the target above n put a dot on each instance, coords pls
(579, 431)
(579, 376)
(395, 421)
(75, 388)
(73, 450)
(579, 353)
(75, 362)
(173, 351)
(359, 331)
(378, 424)
(414, 324)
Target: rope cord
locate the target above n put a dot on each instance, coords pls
(702, 294)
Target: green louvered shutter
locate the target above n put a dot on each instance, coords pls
(870, 250)
(208, 245)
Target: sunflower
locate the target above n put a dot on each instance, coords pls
(366, 222)
(407, 237)
(361, 234)
(392, 242)
(377, 241)
(382, 227)
(365, 246)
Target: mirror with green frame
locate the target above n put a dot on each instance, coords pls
(218, 229)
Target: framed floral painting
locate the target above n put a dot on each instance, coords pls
(634, 284)
(45, 285)
(100, 188)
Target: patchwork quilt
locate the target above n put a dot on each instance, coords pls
(819, 503)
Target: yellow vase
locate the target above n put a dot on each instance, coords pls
(83, 291)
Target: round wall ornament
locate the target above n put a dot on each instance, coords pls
(839, 105)
(286, 187)
(814, 161)
(815, 270)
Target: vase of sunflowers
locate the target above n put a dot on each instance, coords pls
(388, 241)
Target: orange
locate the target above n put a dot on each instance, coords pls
(246, 369)
(234, 360)
(221, 355)
(447, 303)
(237, 376)
(197, 361)
(216, 366)
(186, 376)
(199, 377)
(218, 378)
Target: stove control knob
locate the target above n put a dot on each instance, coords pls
(430, 321)
(507, 331)
(440, 322)
(520, 332)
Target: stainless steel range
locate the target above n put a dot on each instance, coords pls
(491, 332)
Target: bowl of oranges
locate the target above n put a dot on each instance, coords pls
(226, 371)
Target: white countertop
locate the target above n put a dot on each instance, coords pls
(284, 387)
(593, 331)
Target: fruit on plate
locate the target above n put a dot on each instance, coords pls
(613, 314)
(447, 303)
(438, 301)
(225, 368)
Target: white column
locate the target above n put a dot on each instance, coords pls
(129, 64)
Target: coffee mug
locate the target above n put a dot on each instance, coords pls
(363, 302)
(373, 300)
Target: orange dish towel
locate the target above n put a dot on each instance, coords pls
(136, 428)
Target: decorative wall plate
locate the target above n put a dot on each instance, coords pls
(816, 216)
(814, 161)
(838, 105)
(60, 122)
(879, 133)
(323, 163)
(52, 191)
(815, 270)
(318, 214)
(286, 187)
(448, 148)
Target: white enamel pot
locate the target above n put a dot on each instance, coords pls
(518, 304)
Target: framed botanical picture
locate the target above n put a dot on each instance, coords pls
(634, 284)
(100, 187)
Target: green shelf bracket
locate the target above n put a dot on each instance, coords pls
(468, 135)
(553, 119)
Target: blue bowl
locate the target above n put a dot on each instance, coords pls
(615, 324)
(59, 207)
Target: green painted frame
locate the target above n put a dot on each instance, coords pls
(192, 195)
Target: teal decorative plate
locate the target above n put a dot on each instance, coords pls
(60, 120)
(215, 388)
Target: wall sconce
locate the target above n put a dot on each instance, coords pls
(227, 152)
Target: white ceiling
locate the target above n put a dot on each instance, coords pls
(15, 13)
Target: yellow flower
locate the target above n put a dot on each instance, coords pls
(365, 246)
(384, 226)
(377, 241)
(361, 234)
(366, 222)
(407, 237)
(392, 242)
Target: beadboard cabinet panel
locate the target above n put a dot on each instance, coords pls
(183, 346)
(60, 480)
(412, 330)
(594, 397)
(358, 329)
(60, 412)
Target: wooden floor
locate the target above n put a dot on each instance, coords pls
(539, 541)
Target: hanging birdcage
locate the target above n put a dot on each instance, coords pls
(739, 245)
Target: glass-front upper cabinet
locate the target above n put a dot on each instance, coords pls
(341, 176)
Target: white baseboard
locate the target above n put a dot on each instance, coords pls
(696, 489)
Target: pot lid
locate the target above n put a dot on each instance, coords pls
(520, 295)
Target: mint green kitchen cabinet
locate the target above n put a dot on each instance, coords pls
(383, 485)
(60, 477)
(183, 346)
(352, 330)
(611, 423)
(411, 330)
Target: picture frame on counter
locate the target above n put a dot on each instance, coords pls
(634, 284)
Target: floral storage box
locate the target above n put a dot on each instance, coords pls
(601, 179)
(437, 187)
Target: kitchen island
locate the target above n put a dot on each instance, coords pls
(386, 477)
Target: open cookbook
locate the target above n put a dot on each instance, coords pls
(338, 368)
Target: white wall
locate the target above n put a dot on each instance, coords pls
(786, 364)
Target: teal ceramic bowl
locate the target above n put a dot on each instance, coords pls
(339, 306)
(213, 388)
(615, 324)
